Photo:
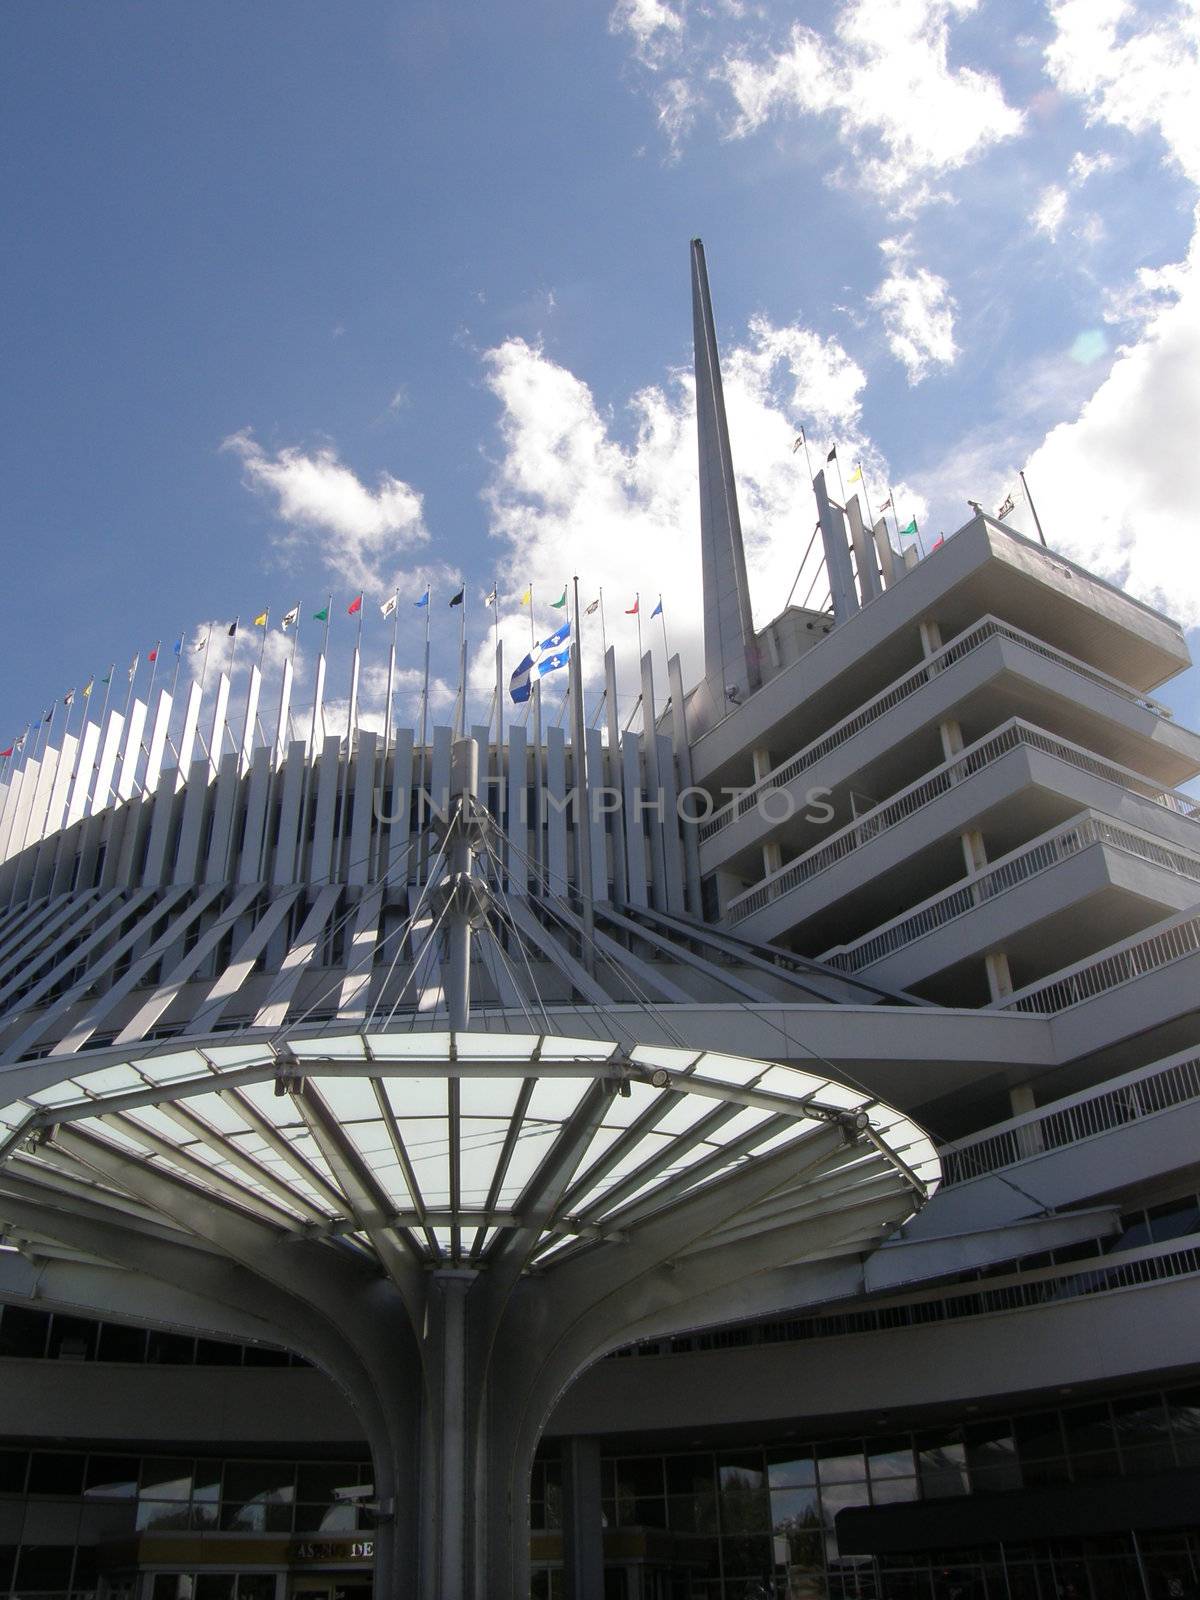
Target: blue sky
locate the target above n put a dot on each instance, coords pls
(307, 297)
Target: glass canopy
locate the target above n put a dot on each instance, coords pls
(445, 1139)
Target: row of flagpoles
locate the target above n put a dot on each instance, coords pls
(38, 731)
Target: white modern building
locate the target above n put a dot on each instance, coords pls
(748, 1153)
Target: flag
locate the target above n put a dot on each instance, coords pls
(595, 606)
(322, 615)
(855, 476)
(47, 715)
(548, 656)
(799, 441)
(886, 506)
(232, 628)
(561, 601)
(657, 612)
(107, 676)
(87, 688)
(490, 599)
(632, 610)
(527, 597)
(260, 620)
(201, 643)
(909, 530)
(21, 741)
(290, 617)
(177, 647)
(1006, 509)
(133, 666)
(69, 698)
(4, 754)
(389, 605)
(153, 654)
(937, 543)
(354, 607)
(832, 456)
(457, 600)
(424, 600)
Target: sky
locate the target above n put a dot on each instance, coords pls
(304, 299)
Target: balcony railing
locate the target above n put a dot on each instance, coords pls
(1148, 952)
(974, 638)
(1159, 1087)
(1069, 840)
(1012, 735)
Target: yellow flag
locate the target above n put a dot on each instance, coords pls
(855, 475)
(260, 620)
(527, 596)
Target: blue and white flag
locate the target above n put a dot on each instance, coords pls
(548, 656)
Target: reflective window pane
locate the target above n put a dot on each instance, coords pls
(941, 1464)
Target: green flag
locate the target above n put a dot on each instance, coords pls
(322, 615)
(562, 599)
(910, 531)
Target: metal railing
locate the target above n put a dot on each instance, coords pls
(1012, 735)
(1071, 839)
(1159, 1087)
(1053, 1285)
(965, 644)
(1147, 953)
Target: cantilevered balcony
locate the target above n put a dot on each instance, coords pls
(985, 569)
(986, 675)
(1013, 785)
(1074, 890)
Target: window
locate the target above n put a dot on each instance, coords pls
(110, 1478)
(54, 1473)
(992, 1456)
(942, 1463)
(22, 1332)
(256, 1496)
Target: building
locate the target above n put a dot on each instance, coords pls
(917, 863)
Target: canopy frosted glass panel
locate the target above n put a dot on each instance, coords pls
(439, 1139)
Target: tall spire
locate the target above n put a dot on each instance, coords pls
(729, 650)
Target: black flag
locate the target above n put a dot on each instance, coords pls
(457, 600)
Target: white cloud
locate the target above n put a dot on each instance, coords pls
(907, 116)
(358, 531)
(1141, 78)
(1114, 488)
(918, 313)
(1051, 211)
(653, 26)
(1084, 166)
(569, 497)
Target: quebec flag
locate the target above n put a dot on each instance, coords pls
(548, 656)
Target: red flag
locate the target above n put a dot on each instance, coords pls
(633, 609)
(153, 656)
(937, 543)
(355, 605)
(4, 754)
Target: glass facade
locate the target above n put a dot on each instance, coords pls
(699, 1524)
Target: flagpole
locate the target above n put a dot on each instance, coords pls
(837, 461)
(662, 617)
(807, 457)
(1037, 521)
(153, 669)
(178, 659)
(328, 615)
(637, 612)
(204, 663)
(462, 665)
(262, 649)
(112, 667)
(603, 628)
